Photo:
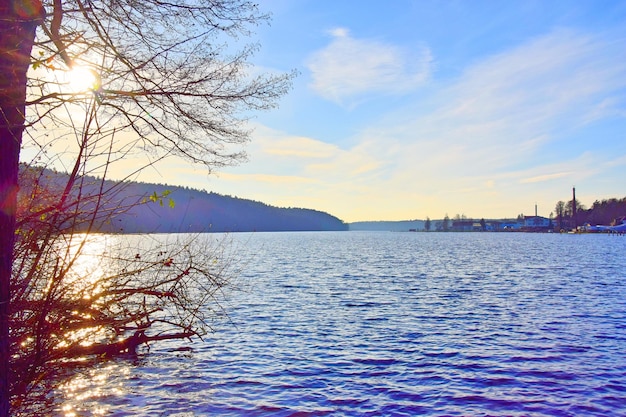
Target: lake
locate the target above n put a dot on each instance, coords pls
(393, 324)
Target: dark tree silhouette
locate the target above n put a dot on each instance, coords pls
(18, 21)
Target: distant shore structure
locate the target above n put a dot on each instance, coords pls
(574, 207)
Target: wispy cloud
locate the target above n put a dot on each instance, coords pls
(348, 68)
(511, 110)
(265, 178)
(298, 147)
(616, 162)
(543, 178)
(311, 157)
(549, 75)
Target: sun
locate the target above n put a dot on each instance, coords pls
(82, 79)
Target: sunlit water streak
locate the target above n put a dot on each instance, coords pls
(409, 324)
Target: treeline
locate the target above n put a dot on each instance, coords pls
(201, 211)
(604, 212)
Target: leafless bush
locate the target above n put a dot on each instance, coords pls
(77, 295)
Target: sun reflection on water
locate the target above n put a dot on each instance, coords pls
(83, 389)
(83, 393)
(88, 255)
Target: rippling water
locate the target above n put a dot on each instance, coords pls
(415, 324)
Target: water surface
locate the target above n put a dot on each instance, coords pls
(369, 323)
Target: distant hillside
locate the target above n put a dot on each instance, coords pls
(199, 211)
(389, 226)
(194, 210)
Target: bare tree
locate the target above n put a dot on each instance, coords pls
(78, 294)
(168, 79)
(17, 26)
(560, 212)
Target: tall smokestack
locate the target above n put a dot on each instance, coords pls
(574, 206)
(535, 210)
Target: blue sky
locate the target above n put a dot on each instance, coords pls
(408, 109)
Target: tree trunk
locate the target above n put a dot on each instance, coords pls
(18, 20)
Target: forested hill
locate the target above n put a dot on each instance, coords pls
(200, 211)
(172, 209)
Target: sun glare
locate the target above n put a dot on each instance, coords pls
(83, 79)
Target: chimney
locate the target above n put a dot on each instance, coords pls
(574, 206)
(535, 210)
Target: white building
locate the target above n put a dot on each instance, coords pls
(536, 221)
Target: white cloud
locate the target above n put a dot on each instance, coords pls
(264, 178)
(545, 177)
(348, 68)
(339, 32)
(616, 162)
(297, 147)
(278, 153)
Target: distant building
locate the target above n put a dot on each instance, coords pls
(463, 226)
(477, 226)
(537, 222)
(493, 226)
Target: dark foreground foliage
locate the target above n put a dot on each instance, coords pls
(79, 295)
